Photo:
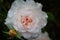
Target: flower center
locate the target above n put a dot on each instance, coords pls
(26, 21)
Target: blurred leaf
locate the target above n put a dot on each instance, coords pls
(1, 1)
(43, 30)
(50, 16)
(5, 32)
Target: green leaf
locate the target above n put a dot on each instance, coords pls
(5, 32)
(19, 36)
(43, 30)
(50, 16)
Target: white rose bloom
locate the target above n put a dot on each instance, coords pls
(27, 18)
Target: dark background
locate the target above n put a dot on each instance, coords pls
(51, 7)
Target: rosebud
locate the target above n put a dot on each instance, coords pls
(12, 33)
